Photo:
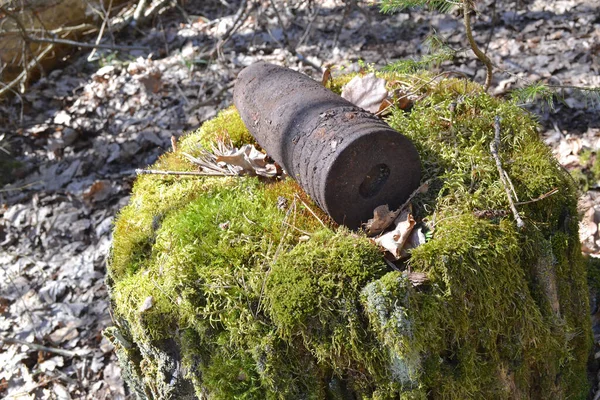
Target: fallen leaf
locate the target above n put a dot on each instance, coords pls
(367, 92)
(51, 364)
(382, 218)
(99, 191)
(251, 161)
(113, 377)
(393, 241)
(416, 238)
(61, 392)
(64, 334)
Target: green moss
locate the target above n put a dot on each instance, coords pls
(227, 125)
(262, 301)
(313, 292)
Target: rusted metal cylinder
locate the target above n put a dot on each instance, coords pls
(345, 158)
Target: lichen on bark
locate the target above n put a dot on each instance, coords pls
(252, 298)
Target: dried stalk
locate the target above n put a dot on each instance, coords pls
(179, 173)
(494, 146)
(311, 211)
(542, 197)
(39, 347)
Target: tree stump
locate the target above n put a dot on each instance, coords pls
(231, 288)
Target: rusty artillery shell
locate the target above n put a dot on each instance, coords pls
(345, 158)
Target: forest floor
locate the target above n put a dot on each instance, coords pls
(80, 132)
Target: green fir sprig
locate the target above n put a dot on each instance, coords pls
(393, 6)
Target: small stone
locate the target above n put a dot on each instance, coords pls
(148, 303)
(69, 136)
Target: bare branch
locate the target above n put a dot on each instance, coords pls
(39, 347)
(83, 45)
(23, 75)
(467, 7)
(101, 33)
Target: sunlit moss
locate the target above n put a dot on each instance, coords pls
(265, 300)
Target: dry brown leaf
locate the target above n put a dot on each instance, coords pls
(382, 218)
(64, 334)
(326, 76)
(51, 364)
(99, 191)
(251, 161)
(393, 241)
(366, 92)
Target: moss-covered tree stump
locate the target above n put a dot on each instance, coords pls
(230, 287)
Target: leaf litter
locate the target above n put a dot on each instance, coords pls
(367, 92)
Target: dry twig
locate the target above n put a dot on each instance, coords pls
(467, 7)
(22, 77)
(101, 33)
(240, 17)
(542, 197)
(34, 39)
(39, 347)
(494, 146)
(311, 211)
(179, 173)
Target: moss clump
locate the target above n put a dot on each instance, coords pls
(230, 288)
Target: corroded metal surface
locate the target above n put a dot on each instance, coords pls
(345, 158)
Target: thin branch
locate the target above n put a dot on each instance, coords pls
(512, 187)
(308, 29)
(12, 16)
(542, 197)
(280, 21)
(494, 146)
(467, 7)
(154, 9)
(421, 189)
(211, 98)
(139, 10)
(238, 20)
(101, 33)
(39, 347)
(33, 39)
(179, 173)
(298, 229)
(15, 189)
(311, 211)
(82, 44)
(23, 74)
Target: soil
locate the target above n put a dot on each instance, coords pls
(75, 137)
